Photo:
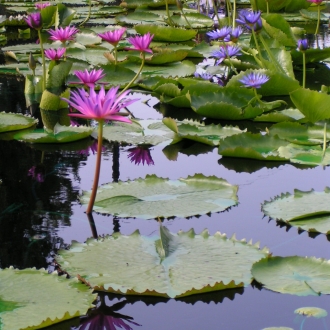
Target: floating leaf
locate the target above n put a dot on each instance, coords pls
(279, 116)
(62, 134)
(312, 311)
(195, 131)
(25, 294)
(162, 266)
(15, 121)
(154, 197)
(255, 146)
(138, 132)
(294, 275)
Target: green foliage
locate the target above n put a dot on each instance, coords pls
(293, 275)
(154, 197)
(25, 294)
(161, 265)
(15, 121)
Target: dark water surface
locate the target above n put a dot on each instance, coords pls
(39, 217)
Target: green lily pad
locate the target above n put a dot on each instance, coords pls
(195, 131)
(140, 17)
(307, 210)
(162, 265)
(154, 197)
(294, 275)
(255, 146)
(277, 328)
(161, 57)
(151, 132)
(25, 294)
(61, 134)
(299, 134)
(279, 116)
(312, 311)
(15, 121)
(166, 33)
(196, 21)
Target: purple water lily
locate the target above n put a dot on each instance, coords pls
(63, 34)
(55, 54)
(302, 44)
(226, 52)
(113, 37)
(220, 34)
(141, 43)
(101, 106)
(234, 34)
(248, 17)
(89, 78)
(140, 154)
(34, 20)
(254, 79)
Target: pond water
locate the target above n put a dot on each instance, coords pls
(37, 218)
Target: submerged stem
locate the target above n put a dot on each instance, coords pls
(304, 70)
(324, 139)
(88, 15)
(318, 19)
(97, 168)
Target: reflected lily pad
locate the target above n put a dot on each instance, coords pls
(163, 265)
(15, 121)
(154, 197)
(25, 295)
(294, 275)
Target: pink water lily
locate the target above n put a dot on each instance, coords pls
(141, 43)
(63, 34)
(42, 5)
(113, 37)
(140, 154)
(315, 1)
(89, 78)
(101, 106)
(34, 20)
(55, 54)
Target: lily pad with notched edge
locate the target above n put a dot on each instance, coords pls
(294, 275)
(312, 311)
(154, 197)
(33, 299)
(15, 121)
(164, 265)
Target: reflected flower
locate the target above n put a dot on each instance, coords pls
(220, 34)
(34, 20)
(89, 78)
(37, 173)
(92, 148)
(42, 5)
(254, 79)
(101, 106)
(302, 44)
(55, 54)
(141, 43)
(63, 34)
(113, 37)
(140, 154)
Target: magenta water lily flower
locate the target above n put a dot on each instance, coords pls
(220, 34)
(316, 1)
(37, 173)
(140, 154)
(42, 5)
(63, 34)
(113, 37)
(101, 106)
(254, 79)
(55, 54)
(141, 43)
(90, 78)
(34, 20)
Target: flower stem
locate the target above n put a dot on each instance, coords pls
(136, 76)
(267, 5)
(115, 50)
(324, 139)
(318, 19)
(229, 10)
(234, 14)
(258, 47)
(215, 8)
(97, 168)
(228, 58)
(183, 14)
(43, 62)
(89, 13)
(304, 69)
(169, 19)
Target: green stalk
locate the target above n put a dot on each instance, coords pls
(318, 19)
(304, 69)
(267, 4)
(89, 13)
(257, 45)
(216, 12)
(97, 168)
(168, 14)
(324, 139)
(183, 14)
(270, 54)
(228, 58)
(234, 14)
(229, 9)
(43, 62)
(136, 76)
(115, 50)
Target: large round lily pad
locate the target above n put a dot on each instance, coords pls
(154, 197)
(15, 121)
(33, 299)
(294, 275)
(169, 265)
